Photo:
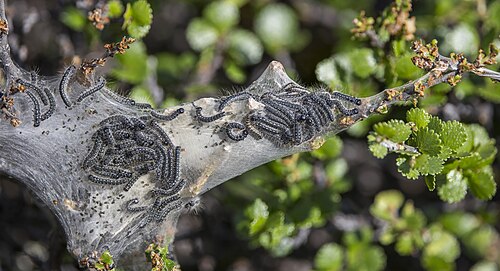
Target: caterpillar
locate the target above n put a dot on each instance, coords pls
(64, 83)
(36, 109)
(93, 89)
(169, 117)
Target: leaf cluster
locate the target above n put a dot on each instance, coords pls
(452, 157)
(288, 199)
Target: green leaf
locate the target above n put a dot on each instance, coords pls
(327, 72)
(277, 26)
(115, 8)
(404, 244)
(244, 47)
(387, 204)
(395, 130)
(200, 34)
(258, 213)
(430, 181)
(378, 150)
(480, 134)
(405, 69)
(106, 258)
(222, 15)
(461, 38)
(485, 266)
(276, 238)
(442, 250)
(455, 187)
(363, 62)
(74, 19)
(459, 223)
(133, 66)
(453, 135)
(428, 165)
(413, 218)
(330, 149)
(427, 141)
(481, 184)
(419, 117)
(138, 18)
(363, 257)
(234, 72)
(329, 258)
(99, 266)
(406, 167)
(435, 124)
(479, 242)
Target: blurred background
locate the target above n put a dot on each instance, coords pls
(337, 208)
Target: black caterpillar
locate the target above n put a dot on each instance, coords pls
(124, 149)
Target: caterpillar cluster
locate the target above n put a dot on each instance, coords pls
(290, 116)
(124, 149)
(47, 98)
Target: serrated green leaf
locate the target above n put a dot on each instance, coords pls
(480, 134)
(435, 124)
(386, 204)
(330, 257)
(488, 152)
(200, 34)
(427, 141)
(138, 18)
(222, 15)
(405, 167)
(419, 117)
(244, 47)
(138, 31)
(428, 165)
(455, 187)
(142, 12)
(453, 135)
(378, 150)
(258, 213)
(481, 184)
(430, 181)
(395, 130)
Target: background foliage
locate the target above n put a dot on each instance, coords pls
(429, 206)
